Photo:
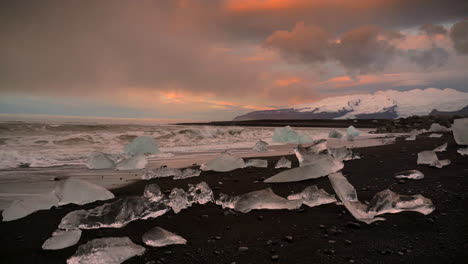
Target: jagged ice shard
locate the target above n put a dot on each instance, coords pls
(158, 237)
(463, 151)
(99, 161)
(283, 163)
(313, 196)
(309, 155)
(441, 148)
(343, 154)
(62, 239)
(179, 199)
(257, 163)
(351, 133)
(335, 134)
(110, 250)
(225, 162)
(261, 146)
(288, 135)
(21, 208)
(460, 131)
(133, 163)
(430, 158)
(264, 199)
(410, 174)
(435, 135)
(187, 173)
(436, 127)
(153, 192)
(80, 192)
(142, 145)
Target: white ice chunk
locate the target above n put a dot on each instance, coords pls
(187, 173)
(153, 193)
(387, 201)
(142, 145)
(427, 157)
(351, 133)
(200, 193)
(435, 135)
(21, 208)
(411, 138)
(343, 154)
(109, 250)
(288, 135)
(227, 201)
(80, 192)
(160, 172)
(283, 163)
(264, 199)
(158, 237)
(99, 161)
(460, 131)
(440, 163)
(261, 146)
(436, 127)
(257, 163)
(313, 196)
(178, 200)
(309, 155)
(133, 163)
(335, 134)
(463, 151)
(321, 166)
(441, 148)
(62, 239)
(410, 174)
(225, 162)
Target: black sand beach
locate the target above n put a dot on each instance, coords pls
(323, 234)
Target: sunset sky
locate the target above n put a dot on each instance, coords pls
(214, 60)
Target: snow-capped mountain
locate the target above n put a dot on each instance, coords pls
(379, 105)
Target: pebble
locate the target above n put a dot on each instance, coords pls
(241, 249)
(401, 181)
(167, 252)
(288, 238)
(331, 241)
(348, 242)
(274, 257)
(330, 251)
(205, 216)
(218, 237)
(260, 218)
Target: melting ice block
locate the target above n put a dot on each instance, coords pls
(351, 133)
(160, 173)
(158, 237)
(261, 146)
(109, 250)
(257, 163)
(283, 163)
(335, 134)
(62, 239)
(21, 208)
(410, 174)
(310, 155)
(99, 161)
(264, 199)
(179, 199)
(436, 127)
(463, 151)
(460, 131)
(343, 154)
(225, 162)
(187, 173)
(288, 135)
(80, 192)
(441, 148)
(142, 145)
(322, 165)
(133, 163)
(227, 201)
(153, 192)
(430, 158)
(313, 196)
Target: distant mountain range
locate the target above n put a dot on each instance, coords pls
(387, 104)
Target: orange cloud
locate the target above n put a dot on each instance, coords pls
(288, 81)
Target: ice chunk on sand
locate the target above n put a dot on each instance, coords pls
(62, 239)
(142, 145)
(387, 201)
(283, 163)
(264, 199)
(100, 161)
(225, 162)
(411, 138)
(313, 196)
(441, 148)
(351, 133)
(80, 192)
(200, 193)
(160, 173)
(429, 157)
(261, 146)
(436, 127)
(227, 201)
(343, 154)
(158, 237)
(463, 151)
(460, 131)
(335, 134)
(288, 135)
(133, 163)
(308, 155)
(440, 163)
(187, 173)
(322, 166)
(21, 208)
(178, 200)
(257, 163)
(410, 174)
(113, 215)
(435, 135)
(153, 193)
(109, 250)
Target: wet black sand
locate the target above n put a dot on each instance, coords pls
(324, 234)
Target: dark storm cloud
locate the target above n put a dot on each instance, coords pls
(433, 57)
(459, 36)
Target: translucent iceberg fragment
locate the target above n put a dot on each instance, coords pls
(62, 239)
(441, 148)
(257, 163)
(387, 201)
(142, 145)
(309, 155)
(160, 172)
(225, 162)
(178, 200)
(313, 196)
(283, 163)
(109, 250)
(440, 163)
(133, 163)
(351, 133)
(187, 173)
(227, 201)
(288, 135)
(153, 192)
(463, 151)
(343, 154)
(261, 146)
(460, 131)
(99, 161)
(200, 193)
(21, 208)
(335, 134)
(410, 174)
(264, 199)
(430, 158)
(80, 192)
(436, 127)
(321, 166)
(113, 215)
(435, 135)
(158, 237)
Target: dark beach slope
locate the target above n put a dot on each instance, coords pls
(324, 234)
